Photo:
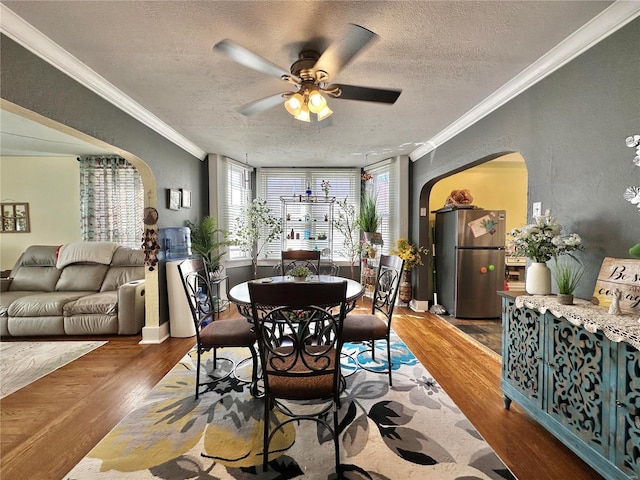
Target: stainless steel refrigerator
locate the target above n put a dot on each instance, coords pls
(469, 260)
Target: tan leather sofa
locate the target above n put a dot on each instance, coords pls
(81, 288)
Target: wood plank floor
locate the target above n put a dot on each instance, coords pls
(50, 425)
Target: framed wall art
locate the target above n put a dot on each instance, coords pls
(186, 198)
(15, 218)
(173, 199)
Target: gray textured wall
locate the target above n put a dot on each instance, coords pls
(35, 85)
(570, 128)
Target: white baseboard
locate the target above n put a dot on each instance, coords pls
(154, 335)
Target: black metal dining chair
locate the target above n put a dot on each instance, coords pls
(212, 333)
(329, 268)
(291, 259)
(368, 328)
(299, 340)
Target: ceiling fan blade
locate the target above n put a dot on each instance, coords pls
(263, 104)
(249, 59)
(366, 94)
(340, 52)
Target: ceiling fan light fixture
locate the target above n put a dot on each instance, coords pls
(317, 102)
(324, 113)
(303, 114)
(294, 104)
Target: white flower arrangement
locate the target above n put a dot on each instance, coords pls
(632, 194)
(541, 241)
(325, 185)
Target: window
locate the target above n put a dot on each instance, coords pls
(274, 183)
(384, 180)
(111, 201)
(236, 191)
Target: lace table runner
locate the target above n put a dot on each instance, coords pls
(617, 328)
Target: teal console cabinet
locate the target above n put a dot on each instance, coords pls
(574, 380)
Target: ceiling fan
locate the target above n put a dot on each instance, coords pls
(310, 75)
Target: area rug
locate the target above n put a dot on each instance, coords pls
(22, 363)
(412, 430)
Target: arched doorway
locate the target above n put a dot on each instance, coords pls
(151, 331)
(498, 181)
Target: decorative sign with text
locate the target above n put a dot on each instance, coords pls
(622, 274)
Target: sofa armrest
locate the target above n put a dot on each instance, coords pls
(131, 307)
(4, 284)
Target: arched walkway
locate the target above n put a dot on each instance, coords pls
(494, 182)
(152, 332)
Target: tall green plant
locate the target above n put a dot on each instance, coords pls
(256, 227)
(207, 240)
(368, 219)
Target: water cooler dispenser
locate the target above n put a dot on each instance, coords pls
(175, 245)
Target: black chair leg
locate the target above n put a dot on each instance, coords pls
(254, 375)
(389, 361)
(265, 447)
(336, 442)
(198, 375)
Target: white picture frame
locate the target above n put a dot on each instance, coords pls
(186, 198)
(173, 199)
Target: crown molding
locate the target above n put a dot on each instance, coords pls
(14, 27)
(601, 26)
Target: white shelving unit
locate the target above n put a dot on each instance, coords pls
(307, 224)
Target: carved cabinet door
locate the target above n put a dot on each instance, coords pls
(627, 406)
(578, 392)
(522, 356)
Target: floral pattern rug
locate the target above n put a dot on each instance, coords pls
(411, 430)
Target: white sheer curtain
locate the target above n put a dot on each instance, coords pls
(111, 200)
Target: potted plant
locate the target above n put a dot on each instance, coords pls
(300, 273)
(368, 219)
(567, 276)
(207, 240)
(412, 256)
(256, 218)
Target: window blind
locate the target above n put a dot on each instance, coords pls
(385, 182)
(273, 183)
(237, 195)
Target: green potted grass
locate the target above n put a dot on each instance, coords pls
(567, 276)
(300, 273)
(368, 218)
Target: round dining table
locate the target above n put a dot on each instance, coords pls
(239, 294)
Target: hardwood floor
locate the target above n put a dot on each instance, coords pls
(48, 426)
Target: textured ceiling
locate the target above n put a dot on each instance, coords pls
(445, 56)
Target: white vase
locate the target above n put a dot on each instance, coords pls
(538, 279)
